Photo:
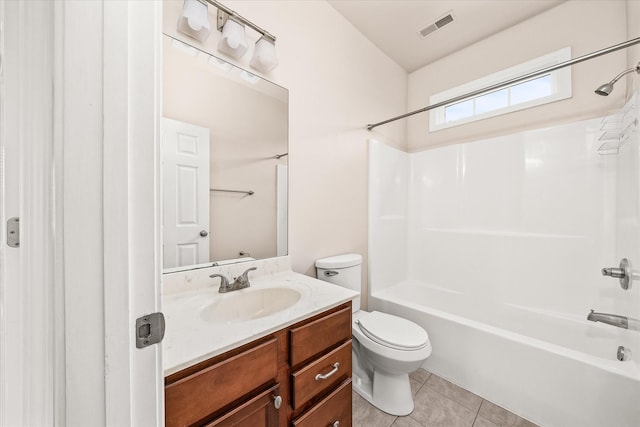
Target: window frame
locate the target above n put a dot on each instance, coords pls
(560, 89)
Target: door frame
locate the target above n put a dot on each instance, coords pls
(134, 382)
(101, 61)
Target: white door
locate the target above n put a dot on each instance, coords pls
(185, 180)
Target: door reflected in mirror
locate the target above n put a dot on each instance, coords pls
(224, 161)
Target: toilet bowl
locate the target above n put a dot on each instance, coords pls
(386, 348)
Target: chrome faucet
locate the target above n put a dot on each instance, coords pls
(615, 320)
(240, 282)
(609, 319)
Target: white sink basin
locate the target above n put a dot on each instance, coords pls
(249, 304)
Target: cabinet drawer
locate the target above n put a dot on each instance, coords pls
(197, 396)
(306, 382)
(334, 407)
(314, 338)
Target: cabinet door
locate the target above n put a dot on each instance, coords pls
(257, 412)
(205, 392)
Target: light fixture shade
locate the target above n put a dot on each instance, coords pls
(194, 20)
(233, 41)
(264, 55)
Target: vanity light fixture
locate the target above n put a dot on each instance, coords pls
(233, 41)
(194, 20)
(264, 55)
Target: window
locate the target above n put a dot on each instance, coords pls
(543, 89)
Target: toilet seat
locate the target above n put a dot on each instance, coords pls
(393, 332)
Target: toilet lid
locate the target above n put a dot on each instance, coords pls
(393, 331)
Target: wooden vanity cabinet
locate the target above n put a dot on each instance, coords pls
(306, 368)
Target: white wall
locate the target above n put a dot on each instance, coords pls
(586, 26)
(338, 82)
(633, 53)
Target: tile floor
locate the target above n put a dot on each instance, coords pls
(438, 403)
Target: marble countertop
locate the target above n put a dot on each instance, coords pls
(190, 339)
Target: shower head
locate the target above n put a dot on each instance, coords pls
(607, 88)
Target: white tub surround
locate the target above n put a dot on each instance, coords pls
(190, 338)
(495, 247)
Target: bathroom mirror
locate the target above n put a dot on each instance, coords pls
(224, 161)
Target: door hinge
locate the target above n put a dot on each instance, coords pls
(149, 329)
(13, 232)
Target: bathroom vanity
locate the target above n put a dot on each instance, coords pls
(278, 352)
(289, 368)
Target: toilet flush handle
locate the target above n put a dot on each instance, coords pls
(331, 273)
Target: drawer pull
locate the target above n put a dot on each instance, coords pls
(336, 366)
(336, 424)
(277, 401)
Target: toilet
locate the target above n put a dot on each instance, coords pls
(386, 348)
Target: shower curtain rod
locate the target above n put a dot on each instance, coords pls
(512, 81)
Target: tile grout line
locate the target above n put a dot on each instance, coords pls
(446, 397)
(477, 413)
(457, 403)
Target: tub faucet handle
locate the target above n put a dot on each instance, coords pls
(613, 272)
(623, 273)
(244, 277)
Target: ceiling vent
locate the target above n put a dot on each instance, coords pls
(441, 22)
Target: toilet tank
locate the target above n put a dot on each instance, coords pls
(342, 270)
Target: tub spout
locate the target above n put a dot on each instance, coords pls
(609, 319)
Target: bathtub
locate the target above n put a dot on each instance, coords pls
(553, 369)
